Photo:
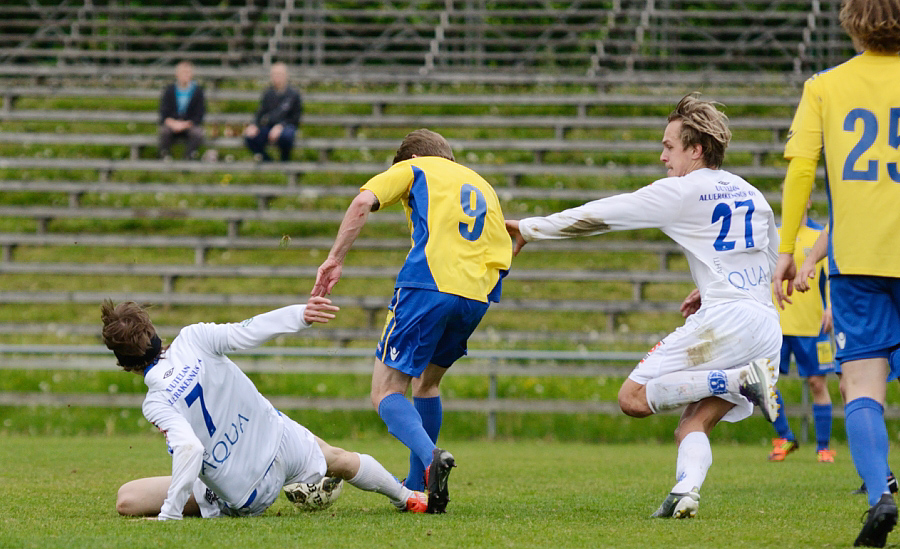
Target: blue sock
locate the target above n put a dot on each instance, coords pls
(405, 423)
(822, 419)
(782, 429)
(432, 414)
(868, 440)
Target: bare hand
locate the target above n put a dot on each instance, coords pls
(317, 310)
(512, 227)
(827, 321)
(275, 133)
(806, 273)
(691, 303)
(785, 271)
(327, 276)
(177, 126)
(251, 131)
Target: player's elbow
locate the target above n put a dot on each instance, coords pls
(365, 202)
(191, 452)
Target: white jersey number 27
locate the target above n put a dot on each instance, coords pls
(723, 211)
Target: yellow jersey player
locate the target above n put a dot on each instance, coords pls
(460, 254)
(805, 325)
(850, 114)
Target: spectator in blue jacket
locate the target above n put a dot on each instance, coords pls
(181, 111)
(277, 118)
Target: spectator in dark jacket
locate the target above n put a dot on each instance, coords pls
(181, 110)
(277, 118)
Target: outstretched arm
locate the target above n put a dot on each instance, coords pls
(653, 206)
(354, 220)
(253, 332)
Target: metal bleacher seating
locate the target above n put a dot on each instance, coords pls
(545, 90)
(503, 42)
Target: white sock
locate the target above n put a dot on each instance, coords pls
(694, 459)
(373, 477)
(679, 388)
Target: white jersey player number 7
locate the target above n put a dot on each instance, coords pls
(200, 398)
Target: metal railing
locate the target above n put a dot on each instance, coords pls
(493, 364)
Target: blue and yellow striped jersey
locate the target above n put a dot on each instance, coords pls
(853, 112)
(803, 317)
(459, 241)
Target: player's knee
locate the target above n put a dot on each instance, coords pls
(426, 390)
(633, 404)
(339, 465)
(376, 396)
(339, 462)
(817, 386)
(842, 385)
(127, 502)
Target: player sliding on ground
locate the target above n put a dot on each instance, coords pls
(232, 451)
(725, 357)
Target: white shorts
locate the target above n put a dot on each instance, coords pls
(299, 459)
(720, 337)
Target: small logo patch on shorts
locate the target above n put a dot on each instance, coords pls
(824, 353)
(650, 352)
(841, 339)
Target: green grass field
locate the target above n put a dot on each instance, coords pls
(555, 481)
(60, 492)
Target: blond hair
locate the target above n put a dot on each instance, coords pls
(703, 124)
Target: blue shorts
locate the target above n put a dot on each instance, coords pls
(866, 313)
(425, 326)
(813, 355)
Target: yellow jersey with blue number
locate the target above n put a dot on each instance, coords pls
(459, 241)
(803, 317)
(853, 112)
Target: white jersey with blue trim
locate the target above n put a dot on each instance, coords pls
(218, 426)
(724, 224)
